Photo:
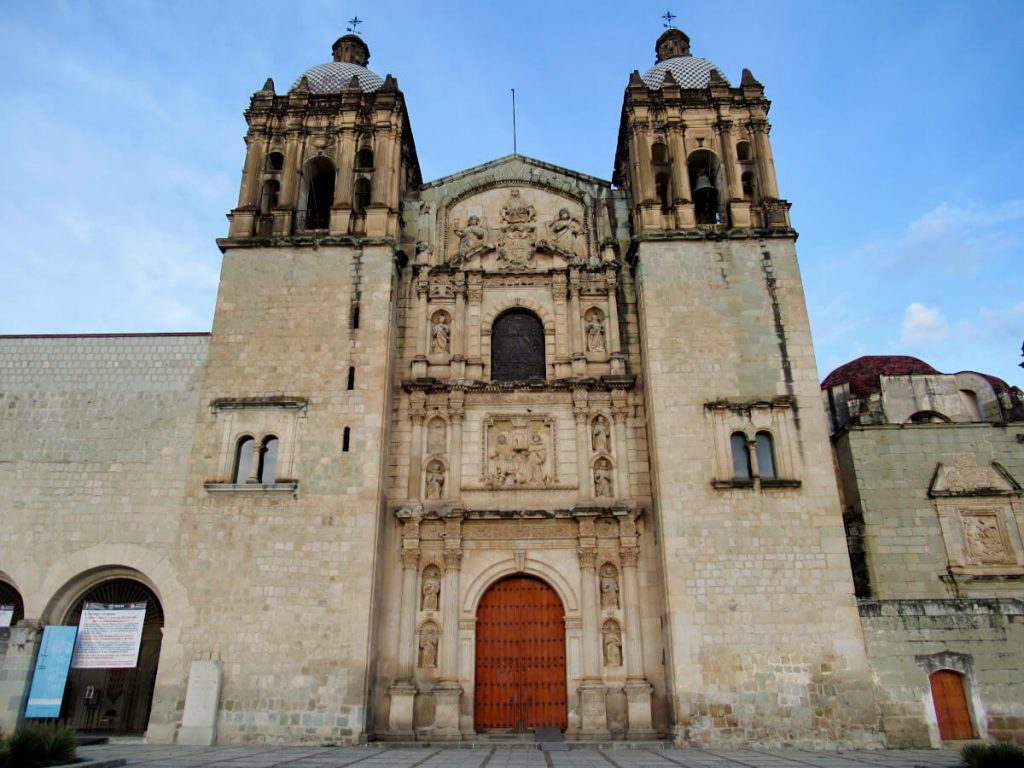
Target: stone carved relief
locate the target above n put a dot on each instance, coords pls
(612, 642)
(428, 646)
(431, 588)
(984, 537)
(600, 435)
(566, 234)
(603, 478)
(435, 480)
(609, 586)
(518, 240)
(595, 331)
(965, 477)
(509, 530)
(440, 333)
(437, 436)
(518, 452)
(472, 240)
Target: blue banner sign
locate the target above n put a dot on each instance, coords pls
(51, 675)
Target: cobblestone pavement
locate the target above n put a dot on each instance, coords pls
(158, 756)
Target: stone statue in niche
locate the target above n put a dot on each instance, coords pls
(595, 331)
(435, 480)
(437, 438)
(518, 455)
(984, 539)
(612, 644)
(609, 586)
(440, 333)
(428, 646)
(516, 248)
(431, 587)
(603, 478)
(565, 233)
(601, 435)
(472, 239)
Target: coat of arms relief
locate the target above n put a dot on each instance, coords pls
(520, 232)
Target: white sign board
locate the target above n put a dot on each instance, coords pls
(109, 636)
(6, 615)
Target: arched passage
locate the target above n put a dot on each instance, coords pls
(115, 700)
(520, 657)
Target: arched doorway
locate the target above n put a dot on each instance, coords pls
(520, 657)
(951, 705)
(116, 700)
(11, 603)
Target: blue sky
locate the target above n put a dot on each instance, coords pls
(898, 132)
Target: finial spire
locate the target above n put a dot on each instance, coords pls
(669, 17)
(353, 23)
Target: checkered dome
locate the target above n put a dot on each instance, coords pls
(335, 75)
(689, 72)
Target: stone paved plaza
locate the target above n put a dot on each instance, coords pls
(158, 756)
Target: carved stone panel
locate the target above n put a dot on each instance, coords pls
(519, 451)
(984, 536)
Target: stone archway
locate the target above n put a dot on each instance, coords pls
(115, 700)
(520, 657)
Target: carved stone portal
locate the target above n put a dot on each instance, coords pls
(518, 452)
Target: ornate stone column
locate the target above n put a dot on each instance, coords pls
(475, 295)
(422, 337)
(638, 690)
(575, 320)
(456, 412)
(765, 162)
(680, 171)
(417, 412)
(615, 357)
(593, 701)
(448, 692)
(403, 690)
(620, 410)
(581, 414)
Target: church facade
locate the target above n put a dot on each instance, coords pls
(515, 448)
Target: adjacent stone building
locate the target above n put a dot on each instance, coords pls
(930, 467)
(515, 448)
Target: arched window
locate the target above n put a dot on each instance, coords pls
(319, 194)
(243, 459)
(747, 180)
(268, 460)
(361, 195)
(275, 161)
(659, 153)
(517, 347)
(951, 705)
(928, 417)
(765, 452)
(663, 187)
(743, 151)
(740, 457)
(364, 159)
(269, 195)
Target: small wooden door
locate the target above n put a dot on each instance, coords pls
(951, 705)
(520, 657)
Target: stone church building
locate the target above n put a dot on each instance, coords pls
(515, 448)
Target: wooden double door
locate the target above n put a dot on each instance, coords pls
(520, 657)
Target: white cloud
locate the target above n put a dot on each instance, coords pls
(923, 325)
(951, 237)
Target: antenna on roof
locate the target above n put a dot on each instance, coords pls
(515, 149)
(669, 17)
(354, 22)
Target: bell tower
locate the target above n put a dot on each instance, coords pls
(751, 534)
(291, 449)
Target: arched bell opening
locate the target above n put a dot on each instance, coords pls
(521, 681)
(705, 171)
(319, 193)
(117, 698)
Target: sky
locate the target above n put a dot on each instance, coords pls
(898, 135)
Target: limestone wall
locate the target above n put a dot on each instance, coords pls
(907, 640)
(762, 639)
(910, 540)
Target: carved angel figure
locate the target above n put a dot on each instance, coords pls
(565, 232)
(471, 238)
